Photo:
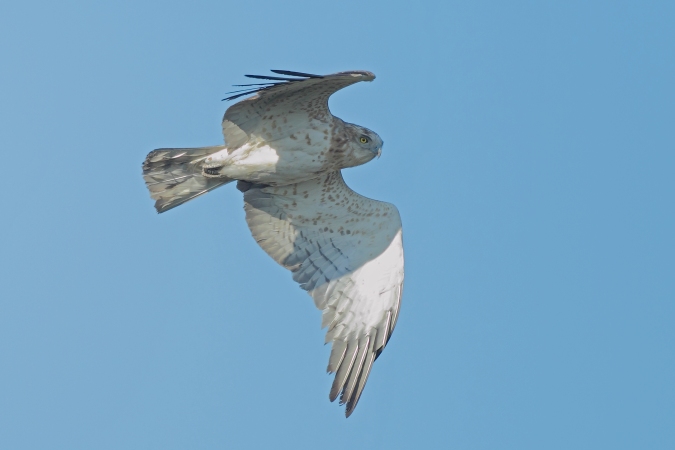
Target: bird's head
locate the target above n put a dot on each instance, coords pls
(358, 144)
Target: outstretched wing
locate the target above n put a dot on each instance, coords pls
(346, 251)
(295, 100)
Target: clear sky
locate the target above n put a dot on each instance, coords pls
(529, 146)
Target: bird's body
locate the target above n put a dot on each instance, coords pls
(286, 150)
(290, 152)
(287, 134)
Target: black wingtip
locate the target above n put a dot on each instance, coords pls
(296, 74)
(256, 84)
(274, 81)
(267, 77)
(232, 97)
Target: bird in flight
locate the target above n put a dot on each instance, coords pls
(286, 151)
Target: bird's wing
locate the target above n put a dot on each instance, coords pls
(297, 98)
(346, 251)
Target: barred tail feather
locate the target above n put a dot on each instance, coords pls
(174, 175)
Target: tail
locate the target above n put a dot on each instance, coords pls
(174, 175)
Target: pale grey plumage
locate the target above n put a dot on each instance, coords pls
(327, 235)
(286, 150)
(304, 100)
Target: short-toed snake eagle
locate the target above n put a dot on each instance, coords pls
(286, 150)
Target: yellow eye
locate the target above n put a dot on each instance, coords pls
(364, 140)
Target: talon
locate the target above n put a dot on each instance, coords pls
(213, 171)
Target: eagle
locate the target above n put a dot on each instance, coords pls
(286, 151)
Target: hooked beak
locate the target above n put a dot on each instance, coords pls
(379, 152)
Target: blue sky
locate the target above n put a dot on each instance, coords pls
(529, 147)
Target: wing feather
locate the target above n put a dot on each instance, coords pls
(296, 74)
(363, 377)
(344, 370)
(299, 100)
(348, 255)
(337, 354)
(348, 390)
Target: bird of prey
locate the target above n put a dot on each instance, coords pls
(286, 150)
